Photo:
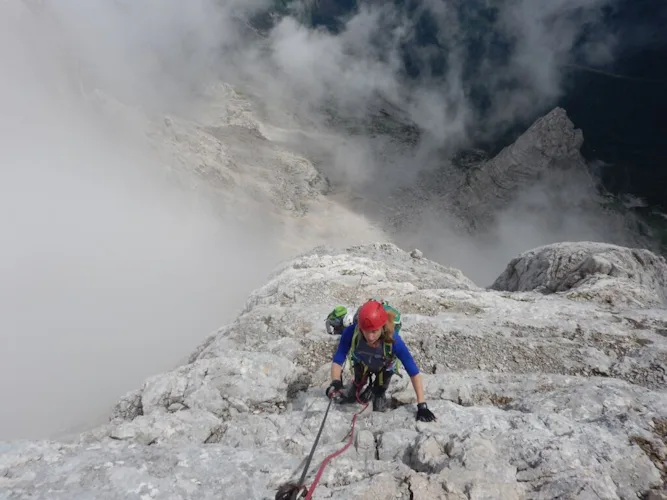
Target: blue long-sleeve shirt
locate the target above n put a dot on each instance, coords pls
(400, 350)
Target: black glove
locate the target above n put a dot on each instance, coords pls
(424, 414)
(335, 387)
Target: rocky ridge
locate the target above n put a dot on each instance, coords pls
(542, 178)
(549, 149)
(268, 164)
(547, 386)
(222, 148)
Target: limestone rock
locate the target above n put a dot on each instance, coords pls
(416, 254)
(533, 392)
(542, 179)
(548, 147)
(587, 270)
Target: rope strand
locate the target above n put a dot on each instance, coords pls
(333, 455)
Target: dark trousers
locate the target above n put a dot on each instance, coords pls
(379, 383)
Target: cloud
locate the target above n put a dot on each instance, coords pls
(514, 52)
(111, 271)
(457, 71)
(544, 39)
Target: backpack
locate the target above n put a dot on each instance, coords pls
(337, 314)
(337, 320)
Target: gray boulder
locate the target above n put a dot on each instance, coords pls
(602, 271)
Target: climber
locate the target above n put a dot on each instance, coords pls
(373, 346)
(337, 320)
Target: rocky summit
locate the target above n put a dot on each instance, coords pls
(549, 384)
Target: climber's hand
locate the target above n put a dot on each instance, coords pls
(424, 414)
(334, 389)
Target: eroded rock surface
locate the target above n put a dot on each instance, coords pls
(543, 174)
(223, 148)
(538, 395)
(591, 270)
(550, 146)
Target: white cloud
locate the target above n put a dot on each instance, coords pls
(90, 225)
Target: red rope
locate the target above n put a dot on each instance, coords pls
(320, 471)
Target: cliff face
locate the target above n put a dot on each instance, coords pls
(223, 149)
(549, 147)
(544, 168)
(549, 385)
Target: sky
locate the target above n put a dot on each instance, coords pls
(109, 272)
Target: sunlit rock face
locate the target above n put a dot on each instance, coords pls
(548, 385)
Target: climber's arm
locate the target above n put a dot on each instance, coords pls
(341, 353)
(418, 386)
(403, 353)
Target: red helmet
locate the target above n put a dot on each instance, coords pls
(372, 316)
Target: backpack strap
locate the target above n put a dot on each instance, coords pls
(388, 351)
(353, 347)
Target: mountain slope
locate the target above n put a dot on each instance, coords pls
(538, 395)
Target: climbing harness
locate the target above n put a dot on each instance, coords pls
(348, 361)
(291, 491)
(387, 349)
